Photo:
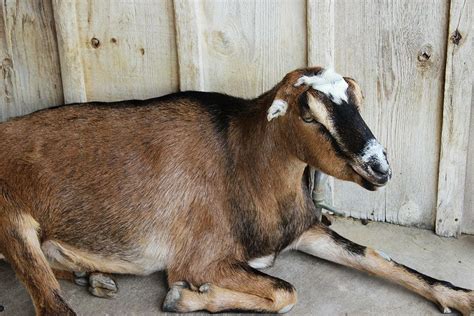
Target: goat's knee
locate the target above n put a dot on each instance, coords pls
(284, 300)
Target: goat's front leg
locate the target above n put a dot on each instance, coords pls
(320, 241)
(228, 287)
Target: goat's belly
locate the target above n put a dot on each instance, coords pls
(144, 259)
(1, 256)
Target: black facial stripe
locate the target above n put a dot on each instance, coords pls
(334, 144)
(305, 110)
(352, 131)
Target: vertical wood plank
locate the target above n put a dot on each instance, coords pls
(29, 64)
(188, 45)
(320, 17)
(396, 51)
(248, 46)
(128, 48)
(67, 32)
(320, 28)
(456, 119)
(468, 215)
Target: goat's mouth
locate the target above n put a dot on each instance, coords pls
(376, 178)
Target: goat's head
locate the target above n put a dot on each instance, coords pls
(322, 110)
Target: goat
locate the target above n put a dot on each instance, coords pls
(206, 186)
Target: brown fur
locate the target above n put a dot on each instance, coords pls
(176, 183)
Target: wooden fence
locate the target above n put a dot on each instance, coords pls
(413, 59)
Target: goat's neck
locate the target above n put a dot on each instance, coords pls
(262, 151)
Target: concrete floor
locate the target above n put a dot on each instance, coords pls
(323, 288)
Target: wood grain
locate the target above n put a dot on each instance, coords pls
(69, 48)
(128, 48)
(320, 23)
(29, 64)
(456, 119)
(188, 45)
(248, 46)
(468, 215)
(396, 50)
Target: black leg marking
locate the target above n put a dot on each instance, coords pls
(432, 281)
(350, 246)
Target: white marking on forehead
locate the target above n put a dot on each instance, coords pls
(278, 108)
(328, 82)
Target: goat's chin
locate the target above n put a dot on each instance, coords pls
(367, 183)
(368, 180)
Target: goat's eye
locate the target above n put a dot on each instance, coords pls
(309, 119)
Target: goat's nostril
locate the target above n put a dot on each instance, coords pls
(380, 169)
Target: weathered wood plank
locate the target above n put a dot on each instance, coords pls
(72, 70)
(188, 45)
(128, 48)
(456, 119)
(248, 46)
(320, 31)
(396, 50)
(29, 63)
(320, 17)
(468, 215)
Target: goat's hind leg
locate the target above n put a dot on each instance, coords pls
(20, 244)
(322, 242)
(64, 259)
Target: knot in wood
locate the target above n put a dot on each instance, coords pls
(95, 42)
(425, 53)
(456, 37)
(6, 62)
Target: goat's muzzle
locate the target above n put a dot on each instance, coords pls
(372, 164)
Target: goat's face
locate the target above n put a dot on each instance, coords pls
(332, 136)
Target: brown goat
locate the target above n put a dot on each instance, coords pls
(204, 185)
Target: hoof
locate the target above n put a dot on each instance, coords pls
(102, 285)
(446, 310)
(81, 278)
(174, 295)
(205, 288)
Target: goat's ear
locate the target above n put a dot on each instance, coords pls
(287, 93)
(355, 91)
(278, 108)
